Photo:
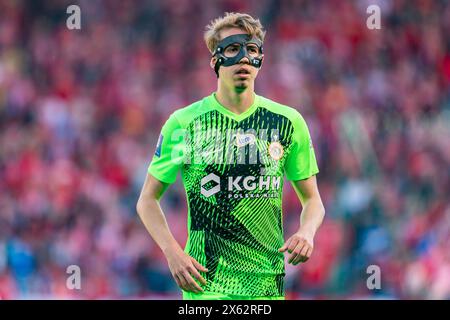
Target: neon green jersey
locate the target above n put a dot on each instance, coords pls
(232, 168)
(224, 296)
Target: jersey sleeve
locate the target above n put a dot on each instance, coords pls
(301, 161)
(169, 152)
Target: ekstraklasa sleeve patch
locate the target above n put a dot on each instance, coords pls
(158, 146)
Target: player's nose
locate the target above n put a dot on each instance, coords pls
(244, 60)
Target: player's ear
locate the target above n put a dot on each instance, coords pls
(212, 62)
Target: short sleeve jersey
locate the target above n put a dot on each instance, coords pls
(232, 167)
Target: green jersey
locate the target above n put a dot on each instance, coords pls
(232, 167)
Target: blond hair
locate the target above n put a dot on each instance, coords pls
(244, 21)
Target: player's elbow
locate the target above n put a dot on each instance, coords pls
(322, 210)
(139, 205)
(319, 208)
(316, 201)
(152, 191)
(144, 202)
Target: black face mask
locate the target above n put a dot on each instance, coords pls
(241, 41)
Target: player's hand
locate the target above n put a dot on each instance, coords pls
(184, 269)
(300, 246)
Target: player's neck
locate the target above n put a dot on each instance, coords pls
(236, 102)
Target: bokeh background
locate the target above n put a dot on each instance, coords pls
(81, 110)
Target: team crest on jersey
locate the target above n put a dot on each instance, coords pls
(276, 150)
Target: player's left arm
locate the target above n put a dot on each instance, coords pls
(301, 244)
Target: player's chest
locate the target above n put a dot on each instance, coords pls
(262, 139)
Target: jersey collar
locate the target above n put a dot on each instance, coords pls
(238, 117)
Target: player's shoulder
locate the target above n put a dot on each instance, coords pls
(293, 114)
(186, 114)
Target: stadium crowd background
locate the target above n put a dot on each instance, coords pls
(81, 110)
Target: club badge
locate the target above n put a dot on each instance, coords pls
(276, 150)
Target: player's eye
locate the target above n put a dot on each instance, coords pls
(232, 50)
(252, 49)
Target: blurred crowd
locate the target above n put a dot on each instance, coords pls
(81, 110)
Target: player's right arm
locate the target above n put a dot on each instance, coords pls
(162, 172)
(182, 266)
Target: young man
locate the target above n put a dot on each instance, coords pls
(233, 149)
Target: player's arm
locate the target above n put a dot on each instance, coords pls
(301, 244)
(182, 266)
(151, 214)
(301, 169)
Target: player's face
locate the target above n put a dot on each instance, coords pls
(240, 75)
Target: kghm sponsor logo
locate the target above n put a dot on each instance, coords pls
(237, 187)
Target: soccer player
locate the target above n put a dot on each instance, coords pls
(233, 149)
